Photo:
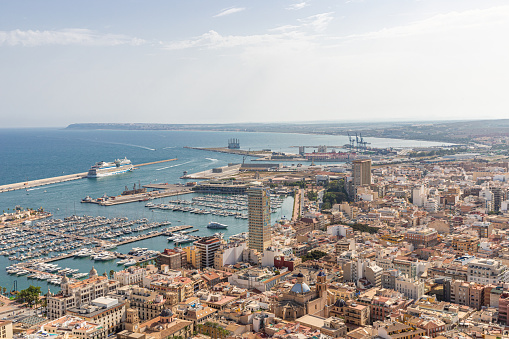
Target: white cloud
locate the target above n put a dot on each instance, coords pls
(228, 11)
(72, 36)
(214, 40)
(284, 28)
(318, 22)
(297, 6)
(282, 34)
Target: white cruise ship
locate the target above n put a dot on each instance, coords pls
(103, 169)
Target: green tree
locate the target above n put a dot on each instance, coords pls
(313, 255)
(112, 272)
(312, 195)
(335, 193)
(29, 295)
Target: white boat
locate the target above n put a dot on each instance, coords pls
(122, 262)
(130, 262)
(104, 256)
(109, 246)
(102, 169)
(183, 239)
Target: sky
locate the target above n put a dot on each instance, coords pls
(167, 61)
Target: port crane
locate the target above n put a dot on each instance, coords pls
(351, 140)
(362, 142)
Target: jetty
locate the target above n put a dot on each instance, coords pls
(215, 173)
(161, 191)
(63, 178)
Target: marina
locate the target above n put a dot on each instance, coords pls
(101, 241)
(18, 244)
(229, 206)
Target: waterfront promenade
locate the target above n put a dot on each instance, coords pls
(59, 179)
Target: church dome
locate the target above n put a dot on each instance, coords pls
(300, 288)
(65, 280)
(321, 274)
(300, 275)
(166, 313)
(93, 272)
(340, 303)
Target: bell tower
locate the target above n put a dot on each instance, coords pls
(132, 320)
(321, 284)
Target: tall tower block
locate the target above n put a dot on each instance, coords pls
(259, 218)
(361, 172)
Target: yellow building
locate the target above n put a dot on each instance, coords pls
(393, 238)
(465, 243)
(193, 255)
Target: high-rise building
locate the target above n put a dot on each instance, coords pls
(499, 195)
(259, 218)
(361, 172)
(208, 247)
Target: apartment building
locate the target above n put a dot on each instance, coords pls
(107, 312)
(422, 236)
(487, 271)
(79, 293)
(148, 303)
(411, 288)
(465, 243)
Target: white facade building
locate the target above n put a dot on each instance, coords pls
(412, 289)
(487, 271)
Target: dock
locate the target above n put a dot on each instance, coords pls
(63, 178)
(215, 173)
(173, 190)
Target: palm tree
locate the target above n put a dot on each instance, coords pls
(112, 272)
(4, 289)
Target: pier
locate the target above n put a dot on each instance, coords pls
(59, 179)
(169, 191)
(215, 173)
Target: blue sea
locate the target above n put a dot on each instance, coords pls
(29, 154)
